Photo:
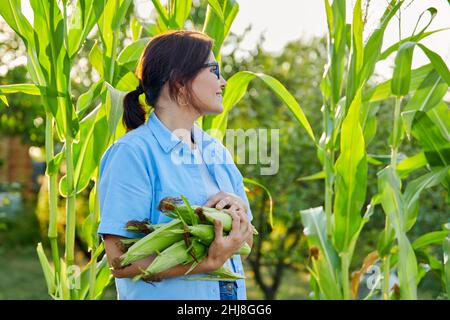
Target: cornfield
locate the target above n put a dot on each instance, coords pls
(88, 125)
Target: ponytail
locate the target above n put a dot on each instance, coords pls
(133, 112)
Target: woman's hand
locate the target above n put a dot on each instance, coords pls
(222, 248)
(225, 200)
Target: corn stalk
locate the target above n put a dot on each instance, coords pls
(53, 42)
(349, 118)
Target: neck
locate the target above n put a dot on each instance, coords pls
(178, 120)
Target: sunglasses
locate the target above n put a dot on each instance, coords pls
(216, 70)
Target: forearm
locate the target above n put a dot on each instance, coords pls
(180, 270)
(139, 267)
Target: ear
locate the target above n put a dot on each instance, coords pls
(180, 88)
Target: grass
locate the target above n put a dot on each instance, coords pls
(21, 275)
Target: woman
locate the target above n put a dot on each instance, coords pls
(168, 155)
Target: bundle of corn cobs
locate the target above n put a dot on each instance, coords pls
(183, 240)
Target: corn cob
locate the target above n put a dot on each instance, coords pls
(177, 253)
(154, 242)
(210, 214)
(205, 234)
(202, 214)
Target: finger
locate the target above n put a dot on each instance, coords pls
(234, 208)
(241, 203)
(235, 227)
(223, 203)
(213, 200)
(243, 216)
(249, 231)
(218, 229)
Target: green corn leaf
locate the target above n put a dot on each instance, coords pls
(415, 187)
(47, 269)
(84, 17)
(407, 165)
(163, 15)
(334, 71)
(181, 10)
(11, 11)
(103, 278)
(86, 99)
(217, 8)
(136, 29)
(26, 88)
(326, 262)
(372, 49)
(256, 183)
(389, 186)
(4, 100)
(383, 91)
(415, 38)
(428, 95)
(130, 55)
(108, 24)
(114, 109)
(351, 178)
(119, 15)
(96, 59)
(218, 26)
(431, 238)
(385, 242)
(433, 136)
(55, 163)
(437, 62)
(356, 54)
(446, 251)
(401, 77)
(237, 87)
(316, 176)
(87, 153)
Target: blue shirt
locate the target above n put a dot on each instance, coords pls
(146, 165)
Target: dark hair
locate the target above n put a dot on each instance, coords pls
(173, 56)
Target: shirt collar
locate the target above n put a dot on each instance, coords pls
(167, 140)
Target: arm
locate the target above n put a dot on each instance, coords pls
(112, 252)
(220, 250)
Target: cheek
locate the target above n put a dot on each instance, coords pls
(205, 89)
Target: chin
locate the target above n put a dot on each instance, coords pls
(215, 110)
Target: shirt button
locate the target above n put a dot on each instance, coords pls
(229, 286)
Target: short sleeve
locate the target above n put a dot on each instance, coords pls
(124, 190)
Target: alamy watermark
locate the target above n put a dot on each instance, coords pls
(251, 146)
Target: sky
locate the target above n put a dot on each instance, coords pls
(288, 20)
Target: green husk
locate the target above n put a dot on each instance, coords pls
(192, 215)
(154, 242)
(205, 234)
(222, 274)
(211, 214)
(177, 253)
(181, 208)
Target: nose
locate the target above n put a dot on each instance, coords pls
(223, 82)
